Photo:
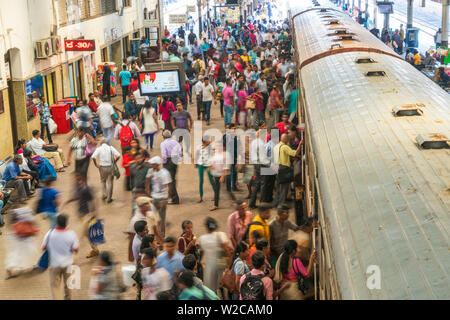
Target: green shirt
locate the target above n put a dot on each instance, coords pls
(195, 293)
(293, 99)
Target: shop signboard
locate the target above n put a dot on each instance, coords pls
(79, 45)
(191, 9)
(230, 14)
(177, 18)
(151, 23)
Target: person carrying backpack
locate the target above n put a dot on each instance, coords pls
(255, 285)
(126, 131)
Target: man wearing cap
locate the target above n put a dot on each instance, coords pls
(171, 155)
(145, 213)
(157, 185)
(198, 92)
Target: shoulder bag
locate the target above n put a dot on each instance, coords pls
(114, 169)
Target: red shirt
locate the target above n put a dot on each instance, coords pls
(187, 89)
(133, 86)
(283, 127)
(93, 106)
(126, 159)
(216, 71)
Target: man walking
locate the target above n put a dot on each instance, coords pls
(157, 186)
(208, 94)
(106, 81)
(106, 156)
(106, 113)
(44, 114)
(61, 243)
(171, 155)
(198, 93)
(125, 77)
(131, 107)
(228, 101)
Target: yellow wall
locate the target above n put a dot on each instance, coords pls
(6, 142)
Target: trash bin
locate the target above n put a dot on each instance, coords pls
(71, 102)
(61, 116)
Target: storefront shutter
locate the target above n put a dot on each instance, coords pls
(62, 12)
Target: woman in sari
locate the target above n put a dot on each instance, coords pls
(44, 168)
(289, 269)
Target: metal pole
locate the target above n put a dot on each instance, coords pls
(359, 5)
(375, 13)
(199, 5)
(444, 33)
(386, 19)
(207, 17)
(409, 14)
(367, 5)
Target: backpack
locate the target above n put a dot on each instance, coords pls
(222, 76)
(253, 288)
(246, 236)
(126, 135)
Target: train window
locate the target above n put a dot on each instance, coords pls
(376, 74)
(365, 60)
(334, 21)
(323, 10)
(407, 110)
(433, 141)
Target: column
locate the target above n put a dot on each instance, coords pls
(386, 20)
(409, 14)
(444, 29)
(199, 5)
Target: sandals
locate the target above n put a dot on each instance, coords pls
(200, 201)
(214, 208)
(61, 170)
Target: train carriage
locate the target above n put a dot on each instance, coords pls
(376, 163)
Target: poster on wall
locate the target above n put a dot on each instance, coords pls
(230, 14)
(159, 82)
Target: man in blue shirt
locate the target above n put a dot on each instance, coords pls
(125, 77)
(196, 49)
(44, 113)
(17, 179)
(171, 259)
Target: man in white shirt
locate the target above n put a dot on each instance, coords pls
(61, 243)
(208, 94)
(198, 92)
(106, 113)
(38, 146)
(157, 185)
(104, 157)
(140, 99)
(97, 99)
(258, 157)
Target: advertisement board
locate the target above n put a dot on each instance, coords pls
(152, 83)
(177, 18)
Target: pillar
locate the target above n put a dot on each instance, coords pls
(199, 6)
(409, 14)
(386, 19)
(444, 29)
(367, 6)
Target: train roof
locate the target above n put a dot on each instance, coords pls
(385, 195)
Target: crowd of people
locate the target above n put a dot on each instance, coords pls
(248, 73)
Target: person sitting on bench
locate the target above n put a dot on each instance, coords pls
(15, 178)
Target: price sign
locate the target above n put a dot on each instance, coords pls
(79, 45)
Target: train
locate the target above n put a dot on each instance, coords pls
(376, 163)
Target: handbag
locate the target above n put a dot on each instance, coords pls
(228, 279)
(51, 149)
(44, 260)
(250, 104)
(24, 229)
(89, 151)
(285, 173)
(96, 231)
(114, 169)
